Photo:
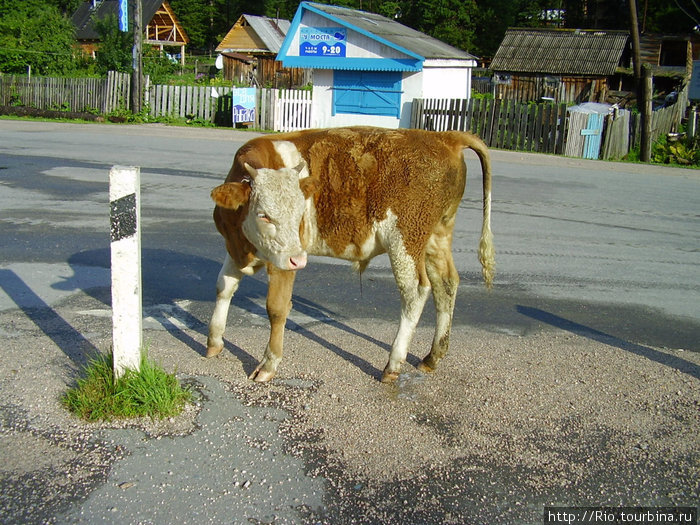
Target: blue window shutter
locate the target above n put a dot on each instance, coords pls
(367, 92)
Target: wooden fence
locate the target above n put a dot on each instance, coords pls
(276, 109)
(543, 128)
(94, 95)
(500, 123)
(292, 110)
(193, 102)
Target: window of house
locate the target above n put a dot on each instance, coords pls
(367, 92)
(673, 53)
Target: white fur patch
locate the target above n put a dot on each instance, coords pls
(290, 155)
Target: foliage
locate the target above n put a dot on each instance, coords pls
(148, 392)
(685, 152)
(115, 49)
(38, 32)
(35, 34)
(67, 7)
(452, 21)
(480, 96)
(207, 21)
(157, 64)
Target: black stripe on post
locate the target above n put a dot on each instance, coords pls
(122, 213)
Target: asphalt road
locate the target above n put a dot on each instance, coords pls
(599, 258)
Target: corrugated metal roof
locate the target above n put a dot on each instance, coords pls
(270, 30)
(561, 52)
(394, 32)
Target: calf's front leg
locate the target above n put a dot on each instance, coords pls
(279, 304)
(226, 285)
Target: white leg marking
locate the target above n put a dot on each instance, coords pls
(226, 285)
(413, 296)
(411, 309)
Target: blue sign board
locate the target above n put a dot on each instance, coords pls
(322, 41)
(243, 102)
(694, 91)
(124, 15)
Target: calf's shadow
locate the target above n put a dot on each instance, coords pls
(169, 278)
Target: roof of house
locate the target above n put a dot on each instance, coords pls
(392, 31)
(561, 51)
(255, 34)
(153, 11)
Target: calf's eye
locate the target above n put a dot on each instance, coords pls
(263, 217)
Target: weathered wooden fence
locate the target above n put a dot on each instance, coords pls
(194, 102)
(95, 95)
(276, 109)
(544, 127)
(500, 123)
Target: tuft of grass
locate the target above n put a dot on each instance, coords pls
(149, 392)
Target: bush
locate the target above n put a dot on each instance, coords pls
(683, 151)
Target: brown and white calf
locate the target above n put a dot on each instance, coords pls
(350, 193)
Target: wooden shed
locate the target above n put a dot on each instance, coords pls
(561, 65)
(249, 50)
(162, 28)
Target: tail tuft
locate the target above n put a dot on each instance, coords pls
(487, 257)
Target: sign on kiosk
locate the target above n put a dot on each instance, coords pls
(322, 41)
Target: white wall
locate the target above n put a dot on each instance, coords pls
(439, 79)
(447, 79)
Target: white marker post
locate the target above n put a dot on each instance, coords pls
(125, 234)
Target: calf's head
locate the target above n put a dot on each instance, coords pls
(276, 202)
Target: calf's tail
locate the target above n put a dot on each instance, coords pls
(486, 251)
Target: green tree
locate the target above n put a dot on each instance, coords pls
(67, 7)
(114, 52)
(452, 21)
(662, 16)
(33, 33)
(207, 21)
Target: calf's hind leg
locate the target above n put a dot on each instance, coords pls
(413, 288)
(444, 279)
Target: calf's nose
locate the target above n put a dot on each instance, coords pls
(297, 262)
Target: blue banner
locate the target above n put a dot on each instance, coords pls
(322, 41)
(124, 15)
(243, 102)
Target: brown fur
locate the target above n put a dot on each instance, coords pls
(356, 177)
(357, 174)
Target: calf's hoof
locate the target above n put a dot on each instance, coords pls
(423, 367)
(213, 351)
(389, 377)
(261, 376)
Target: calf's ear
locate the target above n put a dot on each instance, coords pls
(231, 195)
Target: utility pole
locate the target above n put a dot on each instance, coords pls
(636, 54)
(137, 73)
(644, 85)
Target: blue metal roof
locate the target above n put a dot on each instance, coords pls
(416, 46)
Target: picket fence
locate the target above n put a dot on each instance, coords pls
(276, 109)
(544, 127)
(93, 95)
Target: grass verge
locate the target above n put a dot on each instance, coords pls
(149, 392)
